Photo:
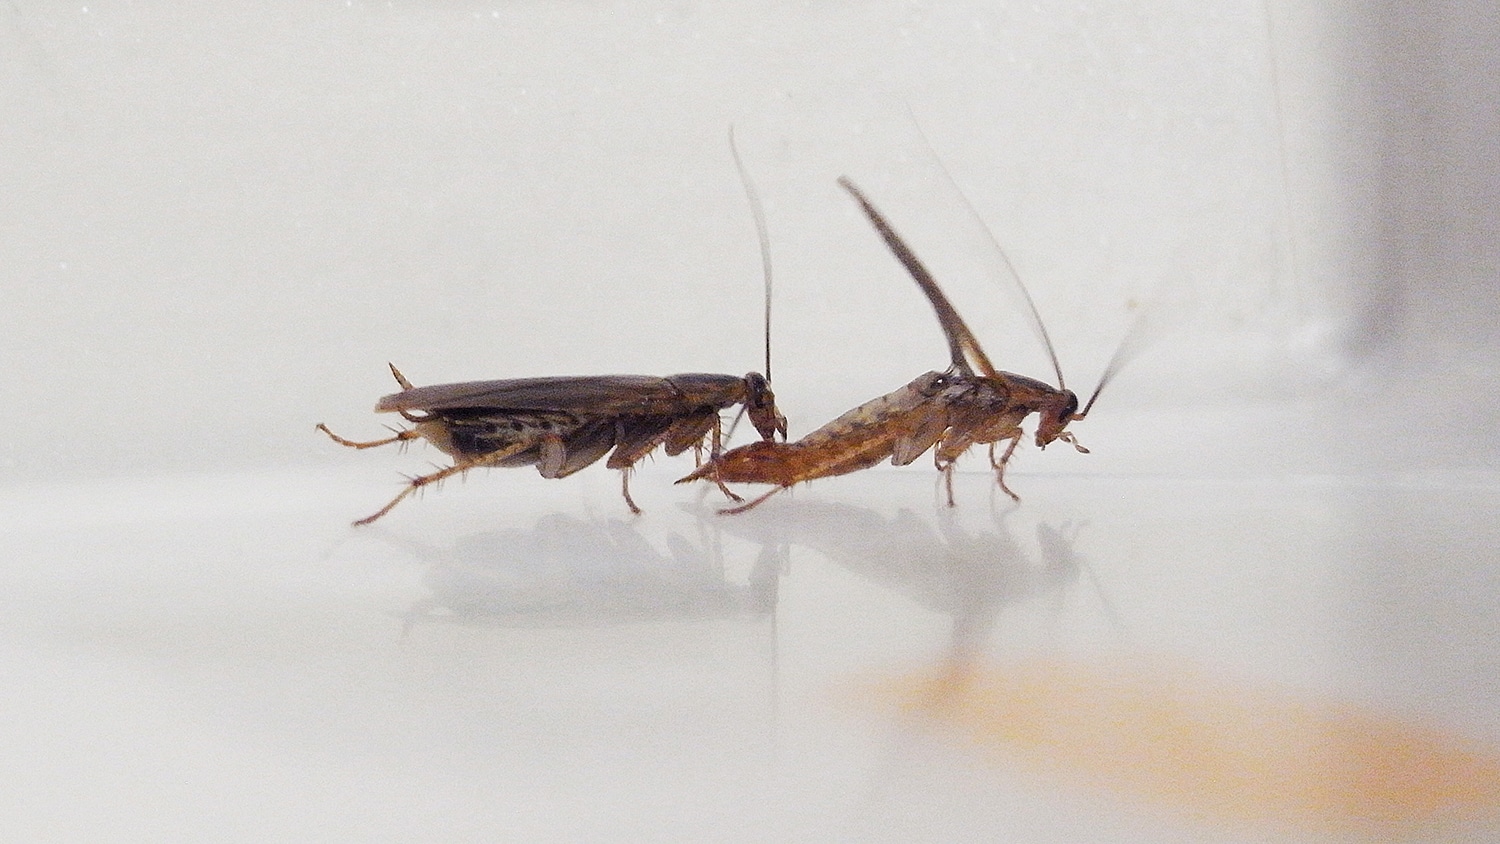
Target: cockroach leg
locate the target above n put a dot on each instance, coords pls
(715, 449)
(724, 489)
(730, 511)
(1072, 440)
(718, 440)
(415, 484)
(492, 459)
(625, 490)
(401, 436)
(999, 466)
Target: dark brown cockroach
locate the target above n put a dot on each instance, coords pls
(949, 412)
(562, 424)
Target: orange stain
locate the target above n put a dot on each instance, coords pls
(1216, 750)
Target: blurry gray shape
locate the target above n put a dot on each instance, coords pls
(568, 572)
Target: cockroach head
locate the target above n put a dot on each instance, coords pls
(760, 405)
(1053, 418)
(756, 384)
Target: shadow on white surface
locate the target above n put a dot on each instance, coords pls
(244, 664)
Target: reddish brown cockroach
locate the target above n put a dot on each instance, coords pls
(949, 411)
(900, 425)
(562, 424)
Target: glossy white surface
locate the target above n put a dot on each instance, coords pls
(516, 658)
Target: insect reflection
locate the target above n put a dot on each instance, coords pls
(966, 574)
(567, 571)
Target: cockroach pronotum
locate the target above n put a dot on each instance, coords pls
(562, 424)
(949, 412)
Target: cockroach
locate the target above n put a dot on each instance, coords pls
(900, 425)
(949, 412)
(562, 424)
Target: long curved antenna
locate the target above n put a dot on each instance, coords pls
(961, 340)
(759, 212)
(1037, 325)
(1131, 345)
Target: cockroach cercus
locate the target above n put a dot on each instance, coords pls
(562, 424)
(949, 412)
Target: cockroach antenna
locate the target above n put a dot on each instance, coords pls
(758, 211)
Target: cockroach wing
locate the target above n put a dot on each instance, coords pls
(926, 430)
(688, 431)
(590, 395)
(638, 435)
(559, 459)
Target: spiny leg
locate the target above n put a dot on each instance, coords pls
(717, 449)
(415, 484)
(727, 494)
(743, 507)
(401, 436)
(720, 484)
(1000, 466)
(625, 490)
(945, 467)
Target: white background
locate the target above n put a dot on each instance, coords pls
(218, 224)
